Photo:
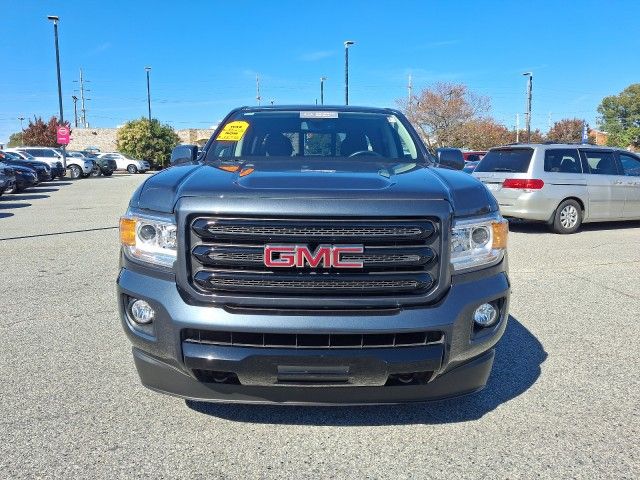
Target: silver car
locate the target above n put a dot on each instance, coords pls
(564, 185)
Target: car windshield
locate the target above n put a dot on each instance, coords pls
(506, 160)
(313, 134)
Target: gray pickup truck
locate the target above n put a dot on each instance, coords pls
(313, 255)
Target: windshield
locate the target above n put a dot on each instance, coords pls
(313, 134)
(506, 160)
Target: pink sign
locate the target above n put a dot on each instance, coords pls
(63, 135)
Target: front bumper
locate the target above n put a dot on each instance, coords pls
(460, 364)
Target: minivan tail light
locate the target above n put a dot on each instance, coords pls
(524, 183)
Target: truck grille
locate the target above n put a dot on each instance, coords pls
(312, 340)
(400, 257)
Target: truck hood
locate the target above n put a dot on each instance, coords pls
(273, 179)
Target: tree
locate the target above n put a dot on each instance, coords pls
(536, 136)
(620, 117)
(15, 140)
(154, 141)
(481, 134)
(42, 134)
(438, 111)
(568, 130)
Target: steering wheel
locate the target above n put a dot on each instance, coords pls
(364, 152)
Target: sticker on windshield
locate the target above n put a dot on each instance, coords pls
(318, 114)
(233, 131)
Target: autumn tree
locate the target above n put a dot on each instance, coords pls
(145, 141)
(15, 140)
(567, 130)
(620, 117)
(42, 134)
(440, 110)
(481, 134)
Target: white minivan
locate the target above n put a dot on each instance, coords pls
(564, 185)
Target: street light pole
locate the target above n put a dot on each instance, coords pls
(148, 69)
(529, 89)
(55, 20)
(75, 110)
(322, 79)
(21, 131)
(347, 44)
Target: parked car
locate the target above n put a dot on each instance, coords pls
(104, 166)
(473, 156)
(564, 185)
(48, 156)
(25, 177)
(450, 158)
(469, 167)
(7, 178)
(127, 163)
(42, 169)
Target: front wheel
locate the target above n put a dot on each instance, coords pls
(132, 169)
(95, 172)
(568, 217)
(75, 172)
(107, 173)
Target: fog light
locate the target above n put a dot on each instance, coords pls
(485, 315)
(141, 312)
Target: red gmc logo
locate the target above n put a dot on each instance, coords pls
(325, 256)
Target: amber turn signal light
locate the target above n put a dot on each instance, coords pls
(127, 231)
(500, 234)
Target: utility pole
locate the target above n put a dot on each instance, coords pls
(529, 91)
(75, 110)
(55, 20)
(258, 97)
(517, 128)
(82, 106)
(322, 79)
(148, 69)
(347, 44)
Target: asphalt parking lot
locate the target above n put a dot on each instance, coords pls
(563, 399)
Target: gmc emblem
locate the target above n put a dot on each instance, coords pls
(325, 256)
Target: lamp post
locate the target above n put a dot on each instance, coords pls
(347, 44)
(21, 131)
(322, 79)
(148, 69)
(55, 19)
(529, 88)
(75, 110)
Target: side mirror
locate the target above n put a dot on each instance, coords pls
(451, 158)
(184, 154)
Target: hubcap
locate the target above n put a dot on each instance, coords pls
(569, 216)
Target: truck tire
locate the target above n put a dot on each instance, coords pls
(567, 218)
(132, 169)
(75, 172)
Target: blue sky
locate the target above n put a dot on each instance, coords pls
(205, 55)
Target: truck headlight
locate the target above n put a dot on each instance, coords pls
(149, 239)
(478, 242)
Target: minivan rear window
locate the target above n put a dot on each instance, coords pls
(506, 160)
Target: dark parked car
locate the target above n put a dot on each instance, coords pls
(469, 167)
(42, 169)
(104, 166)
(7, 178)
